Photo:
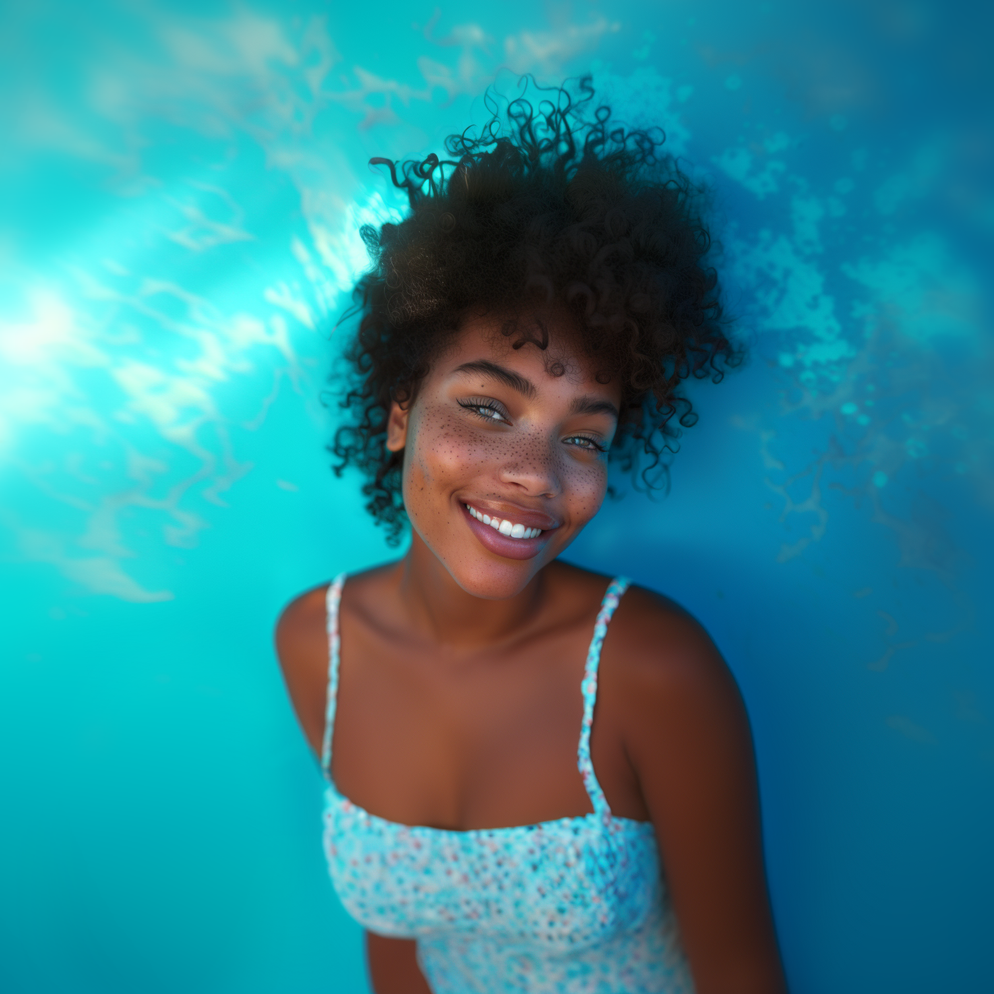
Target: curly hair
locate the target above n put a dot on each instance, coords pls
(549, 208)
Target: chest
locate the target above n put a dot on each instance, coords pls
(488, 740)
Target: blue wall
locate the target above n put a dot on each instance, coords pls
(182, 184)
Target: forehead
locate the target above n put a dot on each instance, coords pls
(516, 342)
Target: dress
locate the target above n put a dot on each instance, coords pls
(575, 905)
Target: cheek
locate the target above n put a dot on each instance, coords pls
(445, 447)
(585, 486)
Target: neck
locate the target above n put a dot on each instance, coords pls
(448, 615)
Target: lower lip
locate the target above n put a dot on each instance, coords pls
(501, 545)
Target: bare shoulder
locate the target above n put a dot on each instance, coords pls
(301, 639)
(302, 648)
(677, 711)
(661, 655)
(301, 625)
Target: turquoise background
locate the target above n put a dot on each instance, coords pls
(181, 190)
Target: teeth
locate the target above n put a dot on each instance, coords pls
(505, 527)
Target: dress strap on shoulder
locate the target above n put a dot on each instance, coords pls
(332, 599)
(589, 688)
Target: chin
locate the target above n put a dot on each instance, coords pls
(495, 580)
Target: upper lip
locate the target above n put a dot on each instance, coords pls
(514, 513)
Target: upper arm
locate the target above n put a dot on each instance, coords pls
(302, 648)
(393, 966)
(689, 741)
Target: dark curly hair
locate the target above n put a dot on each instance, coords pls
(547, 208)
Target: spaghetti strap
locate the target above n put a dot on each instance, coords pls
(589, 688)
(332, 599)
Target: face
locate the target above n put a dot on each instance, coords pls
(505, 454)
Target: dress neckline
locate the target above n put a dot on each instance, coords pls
(332, 793)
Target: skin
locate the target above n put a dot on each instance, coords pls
(459, 698)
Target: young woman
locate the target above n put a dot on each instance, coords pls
(540, 779)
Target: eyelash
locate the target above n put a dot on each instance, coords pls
(476, 406)
(593, 443)
(486, 405)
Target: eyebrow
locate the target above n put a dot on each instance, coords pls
(506, 376)
(581, 405)
(593, 405)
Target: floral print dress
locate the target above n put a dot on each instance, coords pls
(571, 906)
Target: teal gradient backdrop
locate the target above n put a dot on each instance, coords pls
(182, 186)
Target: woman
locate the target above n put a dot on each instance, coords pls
(490, 827)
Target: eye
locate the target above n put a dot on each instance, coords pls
(488, 410)
(584, 442)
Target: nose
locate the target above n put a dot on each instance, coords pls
(534, 471)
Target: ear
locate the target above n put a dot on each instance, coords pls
(397, 427)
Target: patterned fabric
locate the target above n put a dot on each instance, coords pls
(574, 905)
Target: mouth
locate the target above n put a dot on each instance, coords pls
(507, 528)
(506, 537)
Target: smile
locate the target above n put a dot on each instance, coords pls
(505, 527)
